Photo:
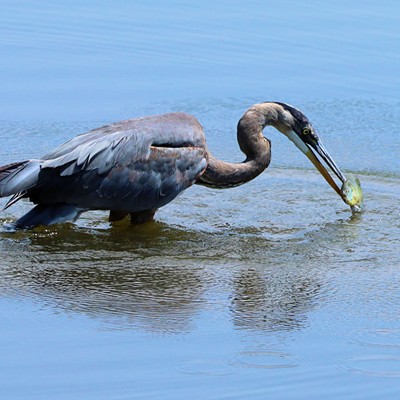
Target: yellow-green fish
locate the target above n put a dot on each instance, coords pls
(352, 193)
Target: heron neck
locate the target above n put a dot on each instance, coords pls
(253, 144)
(221, 174)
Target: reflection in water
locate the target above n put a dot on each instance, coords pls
(160, 298)
(156, 277)
(272, 300)
(109, 279)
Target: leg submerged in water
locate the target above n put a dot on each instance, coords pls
(117, 215)
(142, 217)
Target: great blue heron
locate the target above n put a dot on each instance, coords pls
(139, 165)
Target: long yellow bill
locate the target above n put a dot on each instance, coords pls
(307, 149)
(323, 171)
(350, 192)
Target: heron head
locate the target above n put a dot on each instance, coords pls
(296, 126)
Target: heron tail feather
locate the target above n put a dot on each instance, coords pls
(43, 214)
(18, 177)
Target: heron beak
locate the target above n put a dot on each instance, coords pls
(322, 152)
(329, 161)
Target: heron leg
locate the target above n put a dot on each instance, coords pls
(143, 216)
(116, 215)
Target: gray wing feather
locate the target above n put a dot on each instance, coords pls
(21, 178)
(101, 154)
(172, 128)
(136, 185)
(129, 166)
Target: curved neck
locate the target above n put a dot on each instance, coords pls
(221, 174)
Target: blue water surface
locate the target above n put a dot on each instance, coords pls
(272, 290)
(86, 60)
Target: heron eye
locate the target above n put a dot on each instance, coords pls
(306, 131)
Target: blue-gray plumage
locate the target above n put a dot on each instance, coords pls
(139, 165)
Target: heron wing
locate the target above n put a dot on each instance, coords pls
(100, 153)
(153, 182)
(130, 165)
(134, 165)
(114, 180)
(173, 128)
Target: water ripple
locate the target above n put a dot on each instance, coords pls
(385, 366)
(381, 338)
(266, 359)
(205, 367)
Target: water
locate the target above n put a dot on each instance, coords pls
(269, 290)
